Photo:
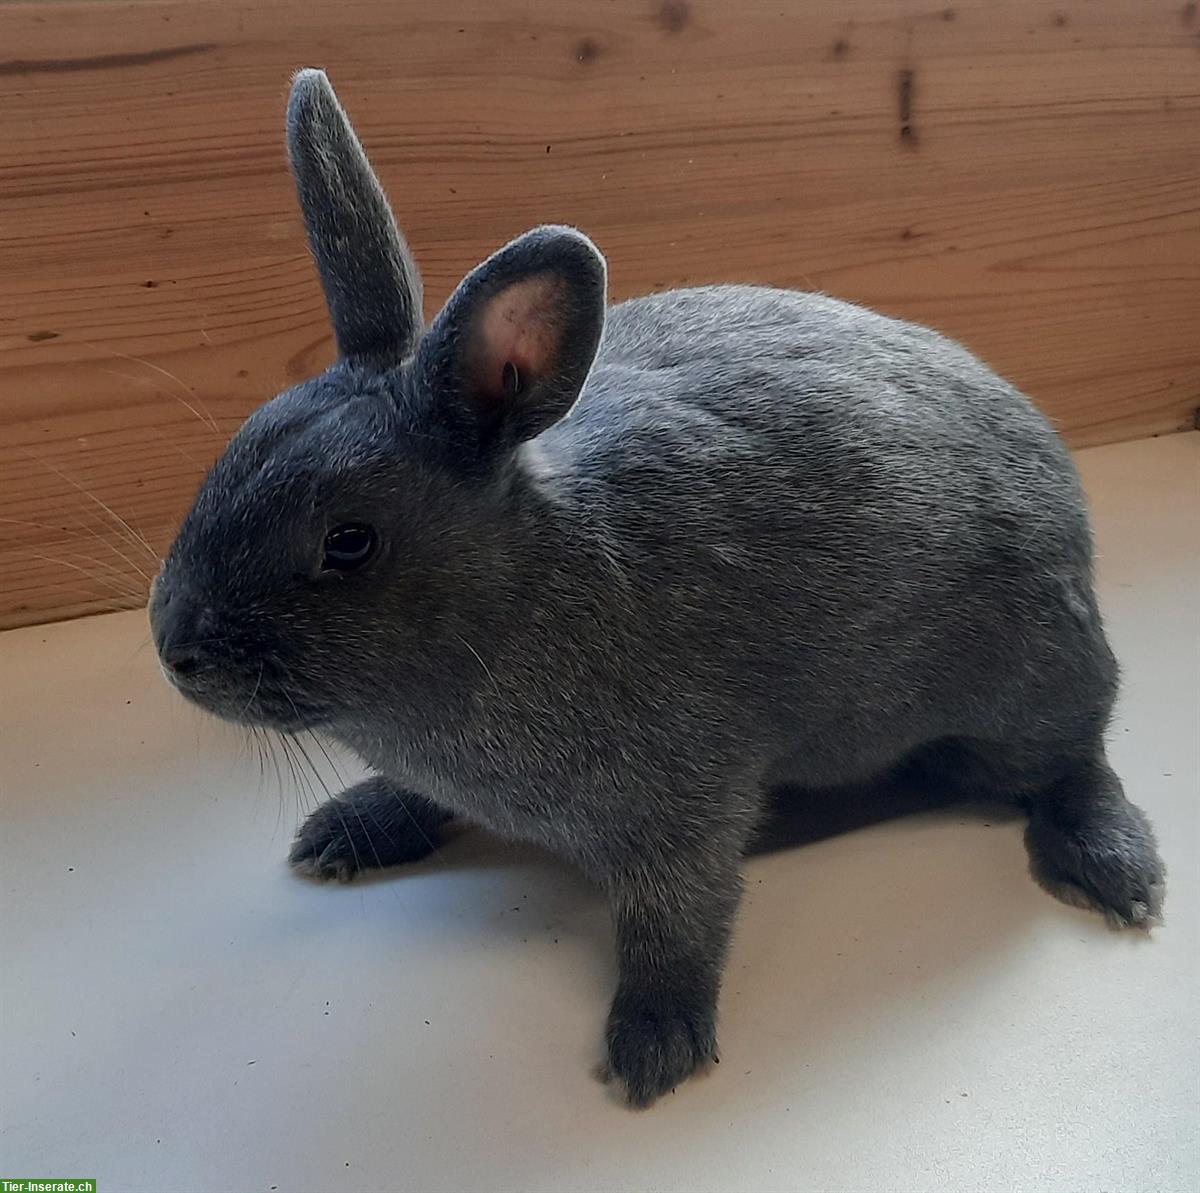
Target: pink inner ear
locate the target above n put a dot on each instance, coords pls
(521, 324)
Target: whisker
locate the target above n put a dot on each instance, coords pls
(206, 417)
(258, 735)
(252, 738)
(297, 786)
(132, 590)
(336, 803)
(116, 591)
(308, 760)
(137, 528)
(267, 743)
(90, 531)
(110, 545)
(137, 650)
(253, 693)
(99, 606)
(114, 574)
(128, 533)
(478, 657)
(92, 496)
(333, 766)
(337, 806)
(359, 811)
(34, 525)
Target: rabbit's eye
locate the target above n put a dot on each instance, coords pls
(348, 547)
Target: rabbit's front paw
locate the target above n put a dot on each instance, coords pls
(656, 1041)
(325, 846)
(368, 827)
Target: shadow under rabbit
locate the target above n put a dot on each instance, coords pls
(806, 905)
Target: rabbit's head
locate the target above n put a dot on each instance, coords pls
(355, 517)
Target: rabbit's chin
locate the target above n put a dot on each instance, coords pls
(254, 707)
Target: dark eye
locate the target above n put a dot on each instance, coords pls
(348, 547)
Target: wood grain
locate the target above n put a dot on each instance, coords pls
(1024, 176)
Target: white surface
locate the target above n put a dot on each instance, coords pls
(904, 1009)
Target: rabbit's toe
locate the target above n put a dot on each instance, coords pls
(653, 1046)
(1106, 862)
(324, 847)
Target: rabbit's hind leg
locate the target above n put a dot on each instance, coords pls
(1088, 845)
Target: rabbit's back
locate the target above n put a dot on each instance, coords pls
(738, 414)
(792, 366)
(809, 494)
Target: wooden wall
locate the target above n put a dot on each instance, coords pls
(1023, 175)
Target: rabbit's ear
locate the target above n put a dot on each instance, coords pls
(371, 282)
(514, 343)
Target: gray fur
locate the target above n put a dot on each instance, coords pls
(371, 284)
(780, 541)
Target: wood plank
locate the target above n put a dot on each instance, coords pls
(1039, 199)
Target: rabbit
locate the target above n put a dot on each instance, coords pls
(604, 579)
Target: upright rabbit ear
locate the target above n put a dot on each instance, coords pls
(371, 282)
(512, 347)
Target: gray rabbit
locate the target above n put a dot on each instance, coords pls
(605, 579)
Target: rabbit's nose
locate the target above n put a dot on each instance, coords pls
(181, 632)
(179, 651)
(182, 661)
